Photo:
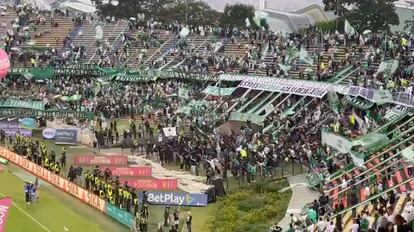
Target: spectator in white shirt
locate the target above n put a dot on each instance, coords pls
(391, 214)
(408, 212)
(355, 226)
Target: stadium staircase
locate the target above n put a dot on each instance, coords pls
(86, 37)
(6, 16)
(199, 43)
(137, 47)
(112, 32)
(49, 33)
(170, 42)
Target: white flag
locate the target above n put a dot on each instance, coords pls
(304, 56)
(170, 131)
(247, 22)
(349, 29)
(269, 109)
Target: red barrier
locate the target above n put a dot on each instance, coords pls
(129, 171)
(54, 179)
(152, 184)
(92, 160)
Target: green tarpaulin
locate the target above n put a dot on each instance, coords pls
(217, 91)
(17, 103)
(42, 73)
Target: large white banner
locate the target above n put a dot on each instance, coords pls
(337, 142)
(290, 89)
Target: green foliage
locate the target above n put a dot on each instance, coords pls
(189, 12)
(252, 208)
(192, 13)
(236, 15)
(252, 227)
(263, 23)
(328, 26)
(375, 15)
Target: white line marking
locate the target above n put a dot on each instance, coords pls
(28, 215)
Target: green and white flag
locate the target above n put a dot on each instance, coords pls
(388, 67)
(349, 29)
(285, 68)
(292, 54)
(358, 158)
(305, 57)
(333, 101)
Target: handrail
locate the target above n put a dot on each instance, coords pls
(373, 157)
(260, 103)
(271, 102)
(389, 123)
(370, 169)
(369, 199)
(378, 155)
(249, 102)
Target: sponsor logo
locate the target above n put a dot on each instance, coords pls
(49, 133)
(188, 199)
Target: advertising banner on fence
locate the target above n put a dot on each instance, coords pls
(50, 177)
(108, 160)
(152, 184)
(176, 198)
(66, 136)
(120, 215)
(129, 171)
(5, 204)
(11, 126)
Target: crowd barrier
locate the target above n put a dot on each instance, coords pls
(71, 188)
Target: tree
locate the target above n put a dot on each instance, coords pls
(376, 15)
(191, 13)
(131, 8)
(236, 15)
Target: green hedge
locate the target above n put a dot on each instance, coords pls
(253, 208)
